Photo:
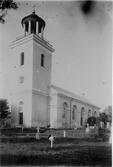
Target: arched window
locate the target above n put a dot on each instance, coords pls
(42, 60)
(95, 114)
(65, 108)
(89, 113)
(26, 27)
(82, 115)
(73, 111)
(22, 58)
(21, 106)
(21, 79)
(21, 112)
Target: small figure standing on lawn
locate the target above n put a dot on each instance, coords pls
(87, 128)
(37, 134)
(75, 126)
(108, 125)
(51, 139)
(101, 124)
(64, 133)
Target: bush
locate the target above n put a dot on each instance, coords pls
(91, 121)
(5, 114)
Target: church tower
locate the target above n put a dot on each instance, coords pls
(31, 74)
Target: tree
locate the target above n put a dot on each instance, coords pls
(106, 115)
(91, 121)
(108, 112)
(4, 6)
(103, 118)
(4, 111)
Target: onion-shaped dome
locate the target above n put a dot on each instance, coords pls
(33, 18)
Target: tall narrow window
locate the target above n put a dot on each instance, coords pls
(21, 79)
(73, 112)
(21, 112)
(95, 114)
(64, 115)
(20, 118)
(65, 107)
(82, 116)
(22, 59)
(89, 113)
(42, 60)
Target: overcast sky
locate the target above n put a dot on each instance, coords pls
(82, 61)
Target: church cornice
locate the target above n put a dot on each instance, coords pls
(77, 100)
(39, 92)
(33, 91)
(43, 42)
(23, 39)
(74, 97)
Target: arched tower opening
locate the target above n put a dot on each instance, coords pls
(33, 24)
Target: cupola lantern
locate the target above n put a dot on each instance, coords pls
(33, 24)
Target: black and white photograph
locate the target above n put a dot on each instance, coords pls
(56, 83)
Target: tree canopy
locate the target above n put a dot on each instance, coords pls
(4, 6)
(4, 109)
(91, 121)
(5, 114)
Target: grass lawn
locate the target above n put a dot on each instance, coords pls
(66, 151)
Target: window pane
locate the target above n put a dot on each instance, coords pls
(42, 60)
(65, 107)
(73, 112)
(89, 113)
(82, 115)
(22, 59)
(21, 79)
(21, 118)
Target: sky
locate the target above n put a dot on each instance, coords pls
(82, 61)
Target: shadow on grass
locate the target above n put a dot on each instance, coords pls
(45, 140)
(61, 156)
(70, 158)
(66, 151)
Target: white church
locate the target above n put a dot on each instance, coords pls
(34, 101)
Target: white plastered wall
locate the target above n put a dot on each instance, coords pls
(21, 91)
(53, 108)
(39, 110)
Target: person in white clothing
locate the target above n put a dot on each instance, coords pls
(38, 134)
(51, 139)
(87, 128)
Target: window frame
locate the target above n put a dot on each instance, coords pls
(42, 63)
(65, 108)
(21, 79)
(20, 118)
(21, 112)
(82, 115)
(73, 112)
(95, 113)
(89, 113)
(22, 57)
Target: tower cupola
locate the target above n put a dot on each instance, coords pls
(33, 24)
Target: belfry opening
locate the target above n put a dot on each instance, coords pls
(33, 24)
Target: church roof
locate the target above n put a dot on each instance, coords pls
(72, 95)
